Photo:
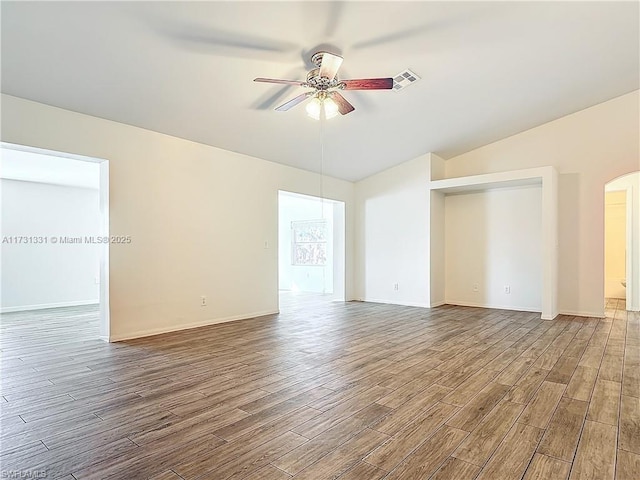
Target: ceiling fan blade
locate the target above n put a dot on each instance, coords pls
(368, 84)
(330, 65)
(274, 94)
(206, 39)
(344, 106)
(294, 101)
(276, 80)
(393, 37)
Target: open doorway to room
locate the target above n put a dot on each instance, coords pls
(621, 245)
(55, 245)
(311, 250)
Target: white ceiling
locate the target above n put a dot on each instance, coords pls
(35, 167)
(489, 70)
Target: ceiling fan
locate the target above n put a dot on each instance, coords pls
(325, 85)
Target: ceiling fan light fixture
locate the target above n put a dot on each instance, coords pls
(319, 106)
(330, 108)
(314, 107)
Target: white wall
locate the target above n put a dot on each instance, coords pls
(632, 183)
(198, 217)
(588, 148)
(49, 275)
(493, 239)
(303, 278)
(393, 235)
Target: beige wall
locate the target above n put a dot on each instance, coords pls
(588, 148)
(615, 242)
(198, 217)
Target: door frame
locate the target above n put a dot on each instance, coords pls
(338, 240)
(103, 192)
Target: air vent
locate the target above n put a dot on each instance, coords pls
(404, 79)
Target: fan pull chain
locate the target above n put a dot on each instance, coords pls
(322, 120)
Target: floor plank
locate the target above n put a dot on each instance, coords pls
(512, 457)
(482, 442)
(392, 452)
(345, 457)
(427, 458)
(542, 405)
(605, 402)
(630, 424)
(627, 466)
(473, 412)
(581, 383)
(456, 469)
(313, 450)
(543, 467)
(563, 432)
(364, 471)
(596, 455)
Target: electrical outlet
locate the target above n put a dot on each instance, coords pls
(507, 289)
(266, 244)
(476, 287)
(396, 287)
(203, 301)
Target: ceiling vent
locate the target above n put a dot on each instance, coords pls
(404, 79)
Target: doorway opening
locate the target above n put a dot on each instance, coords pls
(55, 242)
(621, 244)
(311, 250)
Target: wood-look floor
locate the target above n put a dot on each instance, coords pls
(354, 391)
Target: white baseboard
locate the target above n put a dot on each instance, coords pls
(42, 306)
(582, 314)
(496, 307)
(395, 302)
(438, 304)
(188, 326)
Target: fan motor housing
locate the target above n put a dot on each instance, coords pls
(316, 58)
(314, 79)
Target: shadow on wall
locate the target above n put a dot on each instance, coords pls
(467, 244)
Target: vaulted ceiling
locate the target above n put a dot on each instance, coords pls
(488, 70)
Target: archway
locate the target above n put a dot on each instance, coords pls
(622, 241)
